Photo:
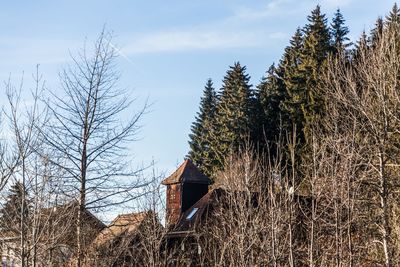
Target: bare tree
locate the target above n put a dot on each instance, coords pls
(89, 135)
(247, 224)
(135, 238)
(35, 225)
(25, 138)
(368, 96)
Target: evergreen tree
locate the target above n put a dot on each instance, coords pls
(302, 64)
(12, 210)
(271, 93)
(235, 114)
(202, 130)
(293, 81)
(291, 57)
(376, 32)
(360, 46)
(339, 33)
(317, 37)
(314, 54)
(394, 16)
(392, 23)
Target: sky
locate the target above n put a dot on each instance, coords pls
(168, 49)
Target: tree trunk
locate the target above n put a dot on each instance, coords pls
(384, 195)
(81, 208)
(22, 234)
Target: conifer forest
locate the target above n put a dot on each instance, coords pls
(301, 169)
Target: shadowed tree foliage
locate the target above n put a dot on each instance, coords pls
(376, 32)
(202, 129)
(12, 209)
(315, 51)
(271, 93)
(235, 114)
(339, 32)
(292, 80)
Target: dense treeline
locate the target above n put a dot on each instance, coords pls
(326, 120)
(287, 98)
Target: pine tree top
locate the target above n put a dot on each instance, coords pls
(201, 130)
(394, 15)
(207, 102)
(11, 211)
(339, 31)
(236, 78)
(317, 22)
(317, 38)
(292, 52)
(376, 32)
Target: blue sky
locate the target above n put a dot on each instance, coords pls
(168, 49)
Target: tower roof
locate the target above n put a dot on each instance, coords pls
(187, 173)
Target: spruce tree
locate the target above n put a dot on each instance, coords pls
(302, 64)
(394, 16)
(392, 23)
(376, 32)
(235, 114)
(271, 93)
(12, 210)
(202, 131)
(340, 41)
(317, 36)
(293, 81)
(360, 46)
(314, 54)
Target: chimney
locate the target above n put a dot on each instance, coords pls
(184, 188)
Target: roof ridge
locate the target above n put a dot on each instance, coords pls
(187, 172)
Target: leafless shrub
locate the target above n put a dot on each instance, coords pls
(364, 120)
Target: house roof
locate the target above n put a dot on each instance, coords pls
(187, 173)
(123, 224)
(195, 214)
(70, 210)
(59, 215)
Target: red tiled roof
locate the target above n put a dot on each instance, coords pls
(124, 224)
(188, 173)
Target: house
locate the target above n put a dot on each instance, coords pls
(194, 208)
(185, 187)
(53, 230)
(124, 241)
(187, 200)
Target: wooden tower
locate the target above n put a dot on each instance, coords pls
(184, 188)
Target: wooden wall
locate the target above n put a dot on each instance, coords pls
(173, 203)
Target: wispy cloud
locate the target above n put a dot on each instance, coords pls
(247, 26)
(270, 9)
(241, 29)
(174, 41)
